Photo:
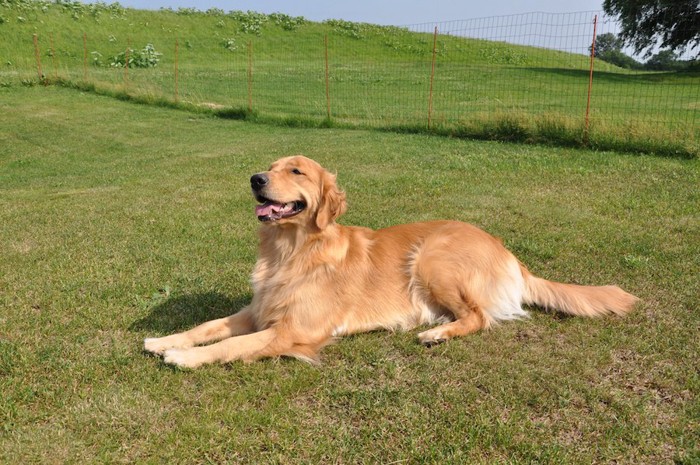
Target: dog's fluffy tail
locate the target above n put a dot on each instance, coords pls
(590, 301)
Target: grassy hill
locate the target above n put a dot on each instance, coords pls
(377, 76)
(205, 36)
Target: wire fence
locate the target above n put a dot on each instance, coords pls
(536, 79)
(534, 69)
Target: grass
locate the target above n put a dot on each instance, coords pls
(379, 77)
(122, 221)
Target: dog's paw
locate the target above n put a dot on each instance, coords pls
(181, 358)
(432, 337)
(157, 345)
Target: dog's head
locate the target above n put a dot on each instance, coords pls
(297, 190)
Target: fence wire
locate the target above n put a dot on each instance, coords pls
(539, 64)
(533, 67)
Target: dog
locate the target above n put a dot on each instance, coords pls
(316, 280)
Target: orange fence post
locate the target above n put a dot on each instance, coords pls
(328, 89)
(126, 63)
(250, 76)
(590, 79)
(85, 54)
(53, 57)
(37, 56)
(177, 48)
(432, 78)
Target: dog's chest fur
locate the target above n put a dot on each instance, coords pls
(293, 276)
(329, 283)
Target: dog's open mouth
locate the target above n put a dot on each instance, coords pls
(269, 210)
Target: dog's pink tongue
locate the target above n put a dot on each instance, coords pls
(268, 208)
(264, 209)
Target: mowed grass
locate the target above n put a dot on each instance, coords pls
(123, 221)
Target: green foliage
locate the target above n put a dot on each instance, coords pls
(147, 57)
(96, 58)
(187, 11)
(230, 44)
(347, 28)
(286, 22)
(607, 42)
(674, 24)
(665, 60)
(77, 9)
(619, 58)
(215, 12)
(608, 47)
(250, 22)
(73, 8)
(26, 5)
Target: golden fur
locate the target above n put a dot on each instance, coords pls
(315, 279)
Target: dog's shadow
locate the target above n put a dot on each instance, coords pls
(180, 313)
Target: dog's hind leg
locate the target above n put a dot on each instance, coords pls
(468, 319)
(215, 330)
(446, 285)
(470, 273)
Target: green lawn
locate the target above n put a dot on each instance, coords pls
(123, 221)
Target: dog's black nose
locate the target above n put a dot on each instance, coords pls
(258, 181)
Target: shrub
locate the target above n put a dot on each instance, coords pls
(618, 58)
(347, 28)
(74, 8)
(147, 57)
(187, 11)
(230, 44)
(96, 59)
(250, 22)
(288, 23)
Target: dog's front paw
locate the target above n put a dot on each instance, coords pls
(158, 345)
(182, 358)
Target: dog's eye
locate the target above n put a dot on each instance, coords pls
(296, 171)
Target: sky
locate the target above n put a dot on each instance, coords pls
(385, 12)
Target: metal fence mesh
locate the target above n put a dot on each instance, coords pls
(449, 74)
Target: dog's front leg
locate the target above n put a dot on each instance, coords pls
(247, 347)
(215, 330)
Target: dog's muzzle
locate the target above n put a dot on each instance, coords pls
(258, 181)
(269, 209)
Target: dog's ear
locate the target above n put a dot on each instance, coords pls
(332, 203)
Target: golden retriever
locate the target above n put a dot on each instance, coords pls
(315, 279)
